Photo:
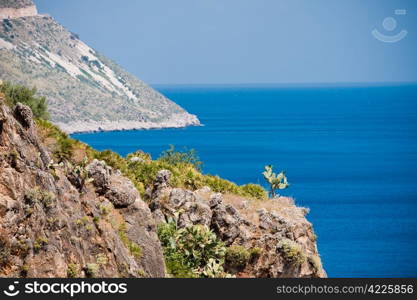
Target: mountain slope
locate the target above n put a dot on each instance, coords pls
(86, 91)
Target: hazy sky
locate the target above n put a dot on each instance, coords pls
(247, 41)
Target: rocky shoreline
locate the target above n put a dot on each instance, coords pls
(176, 121)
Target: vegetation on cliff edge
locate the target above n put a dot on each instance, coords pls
(193, 251)
(138, 166)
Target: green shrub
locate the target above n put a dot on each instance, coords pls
(220, 185)
(101, 259)
(48, 199)
(24, 271)
(64, 144)
(292, 252)
(40, 243)
(105, 209)
(82, 221)
(255, 253)
(177, 266)
(36, 195)
(24, 95)
(237, 256)
(144, 172)
(92, 269)
(200, 244)
(32, 196)
(112, 159)
(14, 156)
(173, 157)
(254, 191)
(140, 155)
(214, 269)
(193, 251)
(73, 270)
(141, 273)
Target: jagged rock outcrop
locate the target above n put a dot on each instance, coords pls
(50, 227)
(85, 90)
(284, 239)
(118, 189)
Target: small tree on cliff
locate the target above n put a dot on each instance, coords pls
(18, 93)
(275, 181)
(174, 157)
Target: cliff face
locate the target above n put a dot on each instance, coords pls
(86, 91)
(52, 225)
(85, 219)
(284, 240)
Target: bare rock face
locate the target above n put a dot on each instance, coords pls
(195, 213)
(281, 244)
(167, 202)
(141, 229)
(121, 192)
(227, 222)
(24, 115)
(100, 173)
(160, 185)
(118, 189)
(50, 227)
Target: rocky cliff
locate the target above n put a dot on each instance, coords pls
(62, 216)
(54, 225)
(265, 238)
(86, 91)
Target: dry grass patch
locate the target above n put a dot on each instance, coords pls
(283, 206)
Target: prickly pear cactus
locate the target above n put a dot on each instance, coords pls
(276, 181)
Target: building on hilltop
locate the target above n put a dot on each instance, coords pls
(12, 9)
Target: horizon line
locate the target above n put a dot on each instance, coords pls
(300, 84)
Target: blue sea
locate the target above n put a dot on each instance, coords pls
(350, 154)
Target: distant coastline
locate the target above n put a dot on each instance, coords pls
(85, 90)
(175, 121)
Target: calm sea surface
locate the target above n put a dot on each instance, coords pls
(350, 154)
